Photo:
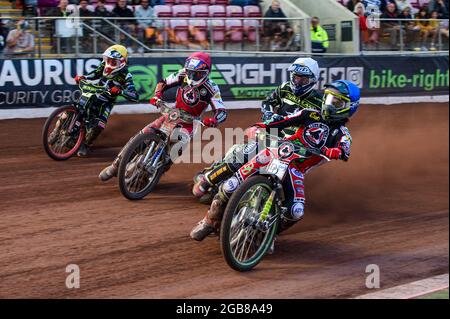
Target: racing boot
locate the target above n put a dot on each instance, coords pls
(204, 228)
(110, 171)
(91, 136)
(211, 222)
(83, 151)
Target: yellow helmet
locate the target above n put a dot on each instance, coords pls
(115, 58)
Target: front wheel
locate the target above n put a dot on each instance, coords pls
(63, 133)
(137, 175)
(245, 235)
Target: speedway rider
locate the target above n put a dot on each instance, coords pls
(113, 72)
(289, 97)
(321, 131)
(194, 94)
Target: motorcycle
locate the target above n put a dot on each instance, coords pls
(147, 155)
(253, 213)
(65, 129)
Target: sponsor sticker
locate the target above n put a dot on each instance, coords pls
(286, 150)
(296, 173)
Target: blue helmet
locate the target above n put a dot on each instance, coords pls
(340, 100)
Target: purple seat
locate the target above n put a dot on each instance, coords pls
(217, 11)
(251, 27)
(181, 11)
(181, 29)
(234, 11)
(199, 10)
(252, 11)
(201, 27)
(218, 30)
(234, 30)
(163, 11)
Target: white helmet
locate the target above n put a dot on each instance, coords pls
(304, 75)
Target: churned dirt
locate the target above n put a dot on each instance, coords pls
(388, 206)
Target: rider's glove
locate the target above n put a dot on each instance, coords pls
(155, 101)
(115, 90)
(272, 117)
(210, 121)
(78, 78)
(332, 153)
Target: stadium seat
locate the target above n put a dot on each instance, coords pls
(206, 2)
(91, 7)
(185, 2)
(171, 2)
(109, 7)
(424, 3)
(234, 11)
(218, 30)
(201, 28)
(234, 30)
(181, 29)
(251, 27)
(221, 2)
(199, 11)
(47, 3)
(217, 11)
(163, 11)
(181, 11)
(252, 11)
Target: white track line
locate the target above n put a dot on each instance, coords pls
(27, 113)
(411, 290)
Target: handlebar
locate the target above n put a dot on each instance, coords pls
(277, 139)
(93, 88)
(181, 115)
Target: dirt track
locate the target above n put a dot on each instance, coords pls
(388, 206)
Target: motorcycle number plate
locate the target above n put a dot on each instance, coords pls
(278, 168)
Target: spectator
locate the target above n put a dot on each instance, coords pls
(376, 6)
(351, 5)
(20, 41)
(30, 8)
(84, 12)
(145, 15)
(425, 28)
(434, 29)
(83, 9)
(129, 25)
(278, 30)
(441, 6)
(157, 2)
(319, 37)
(369, 33)
(105, 27)
(100, 10)
(409, 27)
(392, 25)
(3, 35)
(59, 11)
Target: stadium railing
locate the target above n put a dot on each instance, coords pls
(75, 35)
(79, 36)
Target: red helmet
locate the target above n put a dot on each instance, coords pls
(198, 67)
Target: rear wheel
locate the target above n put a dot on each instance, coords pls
(136, 180)
(60, 137)
(244, 236)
